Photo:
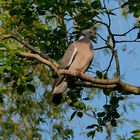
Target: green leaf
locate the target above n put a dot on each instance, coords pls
(96, 4)
(2, 90)
(137, 13)
(113, 122)
(73, 115)
(91, 134)
(15, 12)
(7, 80)
(1, 69)
(138, 36)
(91, 126)
(101, 114)
(99, 74)
(1, 98)
(1, 2)
(114, 100)
(136, 132)
(29, 78)
(80, 114)
(118, 137)
(8, 68)
(107, 107)
(99, 129)
(81, 105)
(75, 104)
(107, 91)
(101, 121)
(121, 98)
(31, 87)
(116, 115)
(20, 89)
(87, 98)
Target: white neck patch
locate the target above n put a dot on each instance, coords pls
(81, 37)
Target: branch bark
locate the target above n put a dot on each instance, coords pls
(87, 81)
(52, 65)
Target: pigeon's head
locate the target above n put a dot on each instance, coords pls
(89, 33)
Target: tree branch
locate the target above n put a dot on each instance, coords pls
(89, 84)
(52, 65)
(120, 85)
(18, 38)
(88, 81)
(111, 44)
(123, 34)
(121, 41)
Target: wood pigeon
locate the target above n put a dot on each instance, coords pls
(77, 57)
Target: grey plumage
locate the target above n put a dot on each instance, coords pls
(78, 57)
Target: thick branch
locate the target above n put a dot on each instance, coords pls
(104, 83)
(52, 65)
(89, 84)
(88, 81)
(84, 77)
(129, 89)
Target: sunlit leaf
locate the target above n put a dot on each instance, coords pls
(137, 132)
(99, 129)
(8, 68)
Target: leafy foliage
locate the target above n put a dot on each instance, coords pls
(134, 7)
(25, 84)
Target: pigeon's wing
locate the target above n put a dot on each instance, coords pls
(68, 57)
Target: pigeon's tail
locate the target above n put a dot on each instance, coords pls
(58, 92)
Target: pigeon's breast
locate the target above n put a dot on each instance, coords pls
(83, 57)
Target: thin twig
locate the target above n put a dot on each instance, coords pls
(120, 41)
(123, 34)
(123, 5)
(101, 37)
(18, 38)
(117, 64)
(110, 62)
(99, 48)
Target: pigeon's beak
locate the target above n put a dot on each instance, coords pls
(94, 37)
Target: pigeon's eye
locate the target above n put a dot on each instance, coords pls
(91, 32)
